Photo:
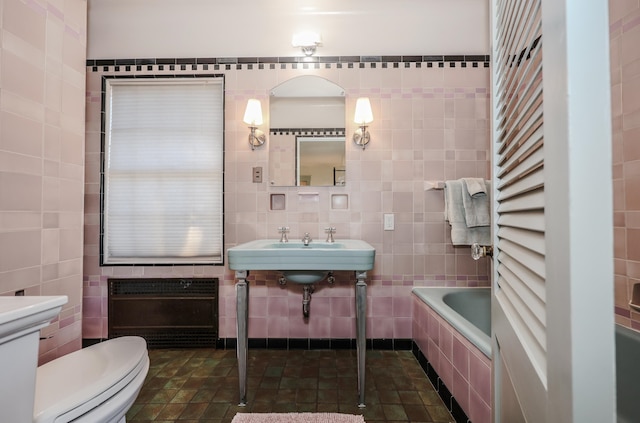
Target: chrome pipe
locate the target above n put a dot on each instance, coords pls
(306, 299)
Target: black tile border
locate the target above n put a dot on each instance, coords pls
(294, 62)
(317, 344)
(449, 400)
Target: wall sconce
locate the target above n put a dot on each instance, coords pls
(307, 41)
(253, 118)
(363, 116)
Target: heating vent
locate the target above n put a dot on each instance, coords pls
(168, 313)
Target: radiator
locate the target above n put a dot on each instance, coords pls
(167, 313)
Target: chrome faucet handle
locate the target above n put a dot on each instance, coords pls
(330, 231)
(478, 251)
(283, 233)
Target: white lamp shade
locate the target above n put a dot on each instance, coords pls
(363, 111)
(253, 113)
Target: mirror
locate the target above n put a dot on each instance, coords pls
(307, 134)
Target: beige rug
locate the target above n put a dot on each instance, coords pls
(296, 418)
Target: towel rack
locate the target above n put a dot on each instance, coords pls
(429, 185)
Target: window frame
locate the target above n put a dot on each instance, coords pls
(107, 82)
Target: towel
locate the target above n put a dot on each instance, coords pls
(476, 206)
(475, 186)
(461, 234)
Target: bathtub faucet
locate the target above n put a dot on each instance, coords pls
(307, 239)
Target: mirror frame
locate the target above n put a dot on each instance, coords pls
(304, 106)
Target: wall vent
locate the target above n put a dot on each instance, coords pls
(168, 312)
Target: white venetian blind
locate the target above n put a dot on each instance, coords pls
(163, 171)
(519, 158)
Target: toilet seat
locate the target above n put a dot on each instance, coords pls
(95, 384)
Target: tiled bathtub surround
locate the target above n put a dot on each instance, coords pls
(431, 123)
(624, 18)
(460, 365)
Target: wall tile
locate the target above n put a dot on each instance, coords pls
(407, 148)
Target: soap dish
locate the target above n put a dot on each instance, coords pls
(635, 297)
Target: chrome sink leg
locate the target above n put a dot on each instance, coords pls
(361, 336)
(242, 318)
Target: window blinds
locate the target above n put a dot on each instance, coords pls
(520, 175)
(163, 171)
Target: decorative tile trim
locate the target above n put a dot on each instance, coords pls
(309, 132)
(250, 63)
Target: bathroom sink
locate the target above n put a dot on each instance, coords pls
(304, 276)
(318, 256)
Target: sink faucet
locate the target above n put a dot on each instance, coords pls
(330, 231)
(283, 233)
(307, 239)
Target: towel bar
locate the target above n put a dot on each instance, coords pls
(429, 185)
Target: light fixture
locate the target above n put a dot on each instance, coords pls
(253, 118)
(307, 41)
(363, 116)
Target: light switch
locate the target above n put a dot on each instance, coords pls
(389, 222)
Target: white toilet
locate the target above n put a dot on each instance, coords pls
(96, 384)
(93, 385)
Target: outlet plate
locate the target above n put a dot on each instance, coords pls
(257, 175)
(389, 222)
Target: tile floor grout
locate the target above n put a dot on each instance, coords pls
(201, 385)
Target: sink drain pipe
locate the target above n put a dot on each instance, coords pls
(306, 299)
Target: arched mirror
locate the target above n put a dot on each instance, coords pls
(307, 134)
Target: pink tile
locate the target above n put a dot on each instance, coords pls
(479, 411)
(461, 358)
(341, 307)
(445, 370)
(460, 390)
(342, 327)
(480, 378)
(278, 327)
(381, 327)
(446, 341)
(434, 328)
(402, 328)
(381, 306)
(257, 327)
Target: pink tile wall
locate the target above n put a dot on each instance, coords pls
(429, 124)
(42, 158)
(624, 17)
(463, 368)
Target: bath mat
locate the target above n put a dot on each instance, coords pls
(296, 418)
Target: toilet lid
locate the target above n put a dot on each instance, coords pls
(75, 379)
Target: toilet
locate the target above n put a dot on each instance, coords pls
(94, 385)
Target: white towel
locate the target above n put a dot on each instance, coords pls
(475, 186)
(476, 206)
(461, 234)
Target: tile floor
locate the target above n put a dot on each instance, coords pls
(201, 385)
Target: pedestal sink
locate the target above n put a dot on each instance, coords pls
(304, 264)
(270, 254)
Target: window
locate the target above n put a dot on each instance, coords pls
(162, 182)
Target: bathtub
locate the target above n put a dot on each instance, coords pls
(457, 351)
(466, 313)
(627, 374)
